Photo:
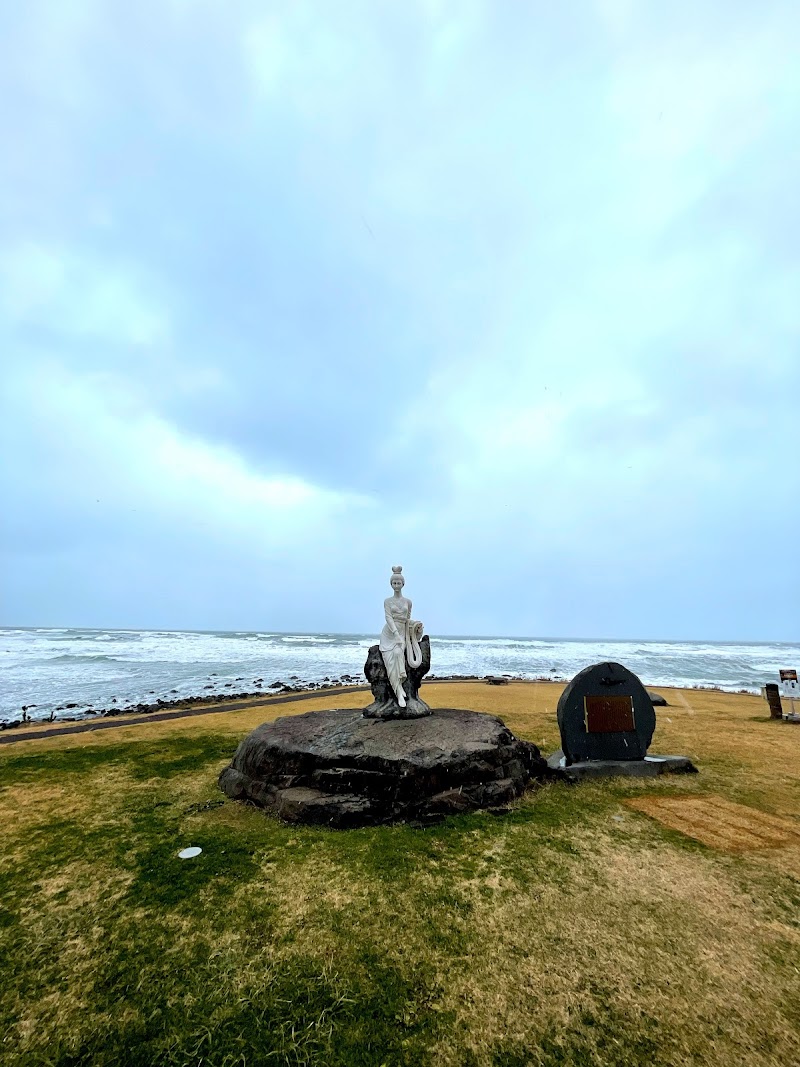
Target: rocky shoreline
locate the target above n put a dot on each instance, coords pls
(225, 691)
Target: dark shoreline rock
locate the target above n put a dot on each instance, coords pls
(278, 688)
(657, 700)
(338, 769)
(142, 708)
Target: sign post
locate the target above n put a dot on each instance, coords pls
(790, 692)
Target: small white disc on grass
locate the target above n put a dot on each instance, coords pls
(190, 853)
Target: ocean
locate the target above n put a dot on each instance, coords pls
(93, 670)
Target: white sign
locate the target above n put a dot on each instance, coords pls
(789, 690)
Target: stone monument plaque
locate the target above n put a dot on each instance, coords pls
(605, 714)
(608, 714)
(606, 720)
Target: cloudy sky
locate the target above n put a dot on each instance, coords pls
(505, 292)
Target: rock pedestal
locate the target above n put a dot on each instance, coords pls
(385, 705)
(339, 769)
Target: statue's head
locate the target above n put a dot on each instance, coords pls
(397, 581)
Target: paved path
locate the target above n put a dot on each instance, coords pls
(178, 713)
(11, 736)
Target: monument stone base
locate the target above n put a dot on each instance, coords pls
(390, 709)
(648, 767)
(337, 768)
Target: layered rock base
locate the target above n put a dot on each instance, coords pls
(337, 768)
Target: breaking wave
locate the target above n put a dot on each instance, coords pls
(52, 667)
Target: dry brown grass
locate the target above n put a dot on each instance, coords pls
(629, 942)
(579, 929)
(720, 823)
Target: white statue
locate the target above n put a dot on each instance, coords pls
(399, 637)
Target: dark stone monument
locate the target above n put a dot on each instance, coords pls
(606, 720)
(385, 705)
(337, 768)
(605, 713)
(773, 695)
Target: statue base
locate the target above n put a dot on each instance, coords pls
(335, 768)
(385, 705)
(649, 767)
(390, 709)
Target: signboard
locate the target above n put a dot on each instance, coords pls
(789, 684)
(790, 691)
(608, 714)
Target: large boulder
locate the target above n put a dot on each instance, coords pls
(340, 769)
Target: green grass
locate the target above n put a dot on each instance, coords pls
(570, 931)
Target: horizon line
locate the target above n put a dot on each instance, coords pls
(442, 637)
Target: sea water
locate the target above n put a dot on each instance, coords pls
(98, 669)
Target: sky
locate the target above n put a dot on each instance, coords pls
(506, 293)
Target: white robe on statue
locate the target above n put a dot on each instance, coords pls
(393, 645)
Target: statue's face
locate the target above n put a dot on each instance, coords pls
(397, 583)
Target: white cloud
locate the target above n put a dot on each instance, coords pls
(32, 278)
(566, 223)
(46, 51)
(308, 62)
(79, 297)
(108, 456)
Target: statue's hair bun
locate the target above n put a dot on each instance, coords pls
(397, 570)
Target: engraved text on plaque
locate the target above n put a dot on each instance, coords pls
(608, 714)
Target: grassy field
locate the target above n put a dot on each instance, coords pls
(575, 930)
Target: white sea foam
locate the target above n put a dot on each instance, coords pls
(314, 639)
(50, 668)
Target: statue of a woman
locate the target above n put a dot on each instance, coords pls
(399, 636)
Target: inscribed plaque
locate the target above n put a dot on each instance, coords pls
(608, 714)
